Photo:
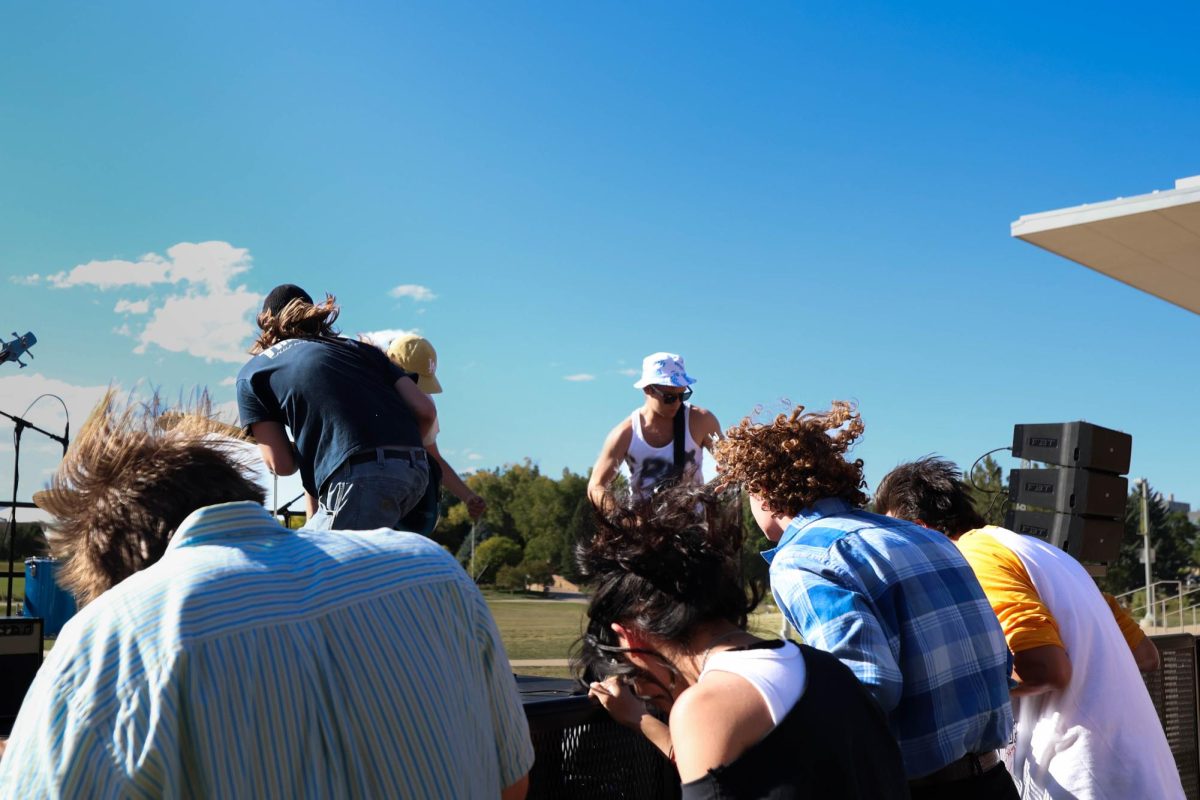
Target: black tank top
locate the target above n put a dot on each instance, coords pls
(833, 744)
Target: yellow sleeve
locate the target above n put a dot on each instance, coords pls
(1026, 620)
(1129, 629)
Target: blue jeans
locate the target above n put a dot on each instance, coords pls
(374, 494)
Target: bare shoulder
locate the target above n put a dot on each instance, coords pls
(704, 425)
(715, 721)
(621, 434)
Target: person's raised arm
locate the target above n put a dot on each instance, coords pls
(276, 448)
(419, 403)
(476, 505)
(616, 445)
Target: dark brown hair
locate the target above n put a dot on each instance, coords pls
(297, 320)
(931, 490)
(126, 484)
(797, 459)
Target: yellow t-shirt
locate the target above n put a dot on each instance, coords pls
(1026, 621)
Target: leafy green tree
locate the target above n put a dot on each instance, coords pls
(1172, 538)
(496, 552)
(754, 566)
(29, 540)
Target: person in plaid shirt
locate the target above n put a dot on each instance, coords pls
(896, 603)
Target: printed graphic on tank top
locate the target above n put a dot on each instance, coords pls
(649, 466)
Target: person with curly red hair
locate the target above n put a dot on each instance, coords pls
(896, 603)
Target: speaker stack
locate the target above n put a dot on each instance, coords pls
(1077, 504)
(20, 657)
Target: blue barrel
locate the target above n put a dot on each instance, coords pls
(44, 598)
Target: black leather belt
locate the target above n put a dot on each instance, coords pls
(969, 766)
(412, 455)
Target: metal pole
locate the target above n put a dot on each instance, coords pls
(1180, 583)
(474, 525)
(1145, 526)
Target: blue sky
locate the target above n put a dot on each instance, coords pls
(806, 201)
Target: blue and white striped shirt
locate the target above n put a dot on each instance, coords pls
(252, 662)
(900, 606)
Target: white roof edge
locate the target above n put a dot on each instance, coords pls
(1187, 192)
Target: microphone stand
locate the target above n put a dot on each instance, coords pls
(21, 425)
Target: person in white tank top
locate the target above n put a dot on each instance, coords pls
(645, 440)
(1085, 724)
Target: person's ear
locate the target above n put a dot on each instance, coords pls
(632, 639)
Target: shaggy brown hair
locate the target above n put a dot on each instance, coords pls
(930, 490)
(126, 484)
(796, 460)
(297, 320)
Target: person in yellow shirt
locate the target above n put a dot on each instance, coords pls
(1075, 651)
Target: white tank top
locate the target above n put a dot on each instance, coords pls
(650, 465)
(778, 673)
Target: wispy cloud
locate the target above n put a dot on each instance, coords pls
(630, 371)
(21, 389)
(230, 381)
(414, 291)
(474, 457)
(579, 377)
(385, 337)
(131, 307)
(204, 314)
(26, 280)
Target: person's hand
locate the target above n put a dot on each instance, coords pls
(620, 701)
(476, 505)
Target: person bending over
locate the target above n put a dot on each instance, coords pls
(748, 717)
(1079, 698)
(357, 419)
(221, 655)
(898, 604)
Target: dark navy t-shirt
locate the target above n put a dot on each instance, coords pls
(338, 397)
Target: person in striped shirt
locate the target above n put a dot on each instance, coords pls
(220, 655)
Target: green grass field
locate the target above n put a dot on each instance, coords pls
(18, 589)
(546, 629)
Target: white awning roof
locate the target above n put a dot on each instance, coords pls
(1151, 242)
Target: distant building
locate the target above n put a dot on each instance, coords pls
(1176, 507)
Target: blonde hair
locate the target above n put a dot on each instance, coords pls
(296, 320)
(126, 484)
(797, 459)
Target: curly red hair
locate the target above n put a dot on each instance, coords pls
(797, 459)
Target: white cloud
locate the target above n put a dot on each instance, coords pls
(23, 388)
(26, 280)
(150, 269)
(579, 377)
(474, 457)
(385, 337)
(230, 381)
(414, 291)
(205, 315)
(213, 326)
(630, 371)
(131, 307)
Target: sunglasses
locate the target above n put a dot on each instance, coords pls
(670, 398)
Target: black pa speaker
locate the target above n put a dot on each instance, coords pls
(1088, 539)
(20, 657)
(1070, 491)
(1074, 444)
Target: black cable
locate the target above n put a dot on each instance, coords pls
(970, 476)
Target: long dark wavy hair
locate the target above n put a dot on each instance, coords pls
(664, 566)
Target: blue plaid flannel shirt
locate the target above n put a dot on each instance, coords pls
(900, 606)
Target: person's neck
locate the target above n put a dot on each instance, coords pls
(691, 658)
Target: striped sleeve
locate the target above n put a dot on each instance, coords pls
(514, 750)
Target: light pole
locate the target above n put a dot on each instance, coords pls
(1146, 554)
